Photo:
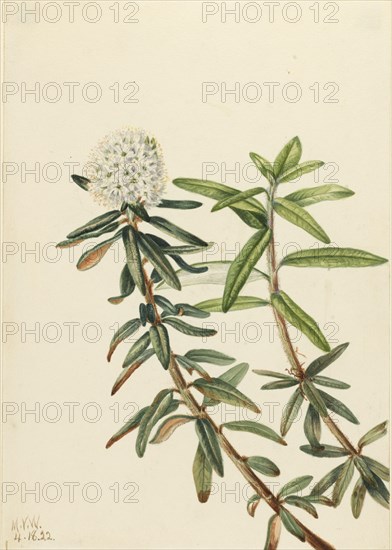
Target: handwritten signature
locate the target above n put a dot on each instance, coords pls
(29, 528)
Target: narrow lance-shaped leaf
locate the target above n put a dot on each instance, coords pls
(325, 451)
(263, 166)
(126, 330)
(137, 349)
(169, 426)
(232, 201)
(210, 445)
(154, 254)
(338, 407)
(312, 195)
(133, 258)
(179, 205)
(280, 384)
(233, 376)
(331, 257)
(127, 372)
(330, 382)
(372, 435)
(294, 486)
(358, 498)
(321, 363)
(154, 413)
(288, 157)
(273, 533)
(127, 286)
(327, 481)
(379, 469)
(242, 266)
(315, 397)
(95, 224)
(202, 475)
(303, 504)
(191, 311)
(175, 231)
(68, 243)
(296, 215)
(272, 374)
(291, 525)
(242, 302)
(209, 356)
(188, 329)
(263, 465)
(191, 366)
(301, 320)
(218, 389)
(256, 428)
(128, 427)
(93, 256)
(312, 426)
(291, 411)
(300, 170)
(343, 481)
(160, 342)
(81, 181)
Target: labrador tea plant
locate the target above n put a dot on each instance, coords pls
(128, 176)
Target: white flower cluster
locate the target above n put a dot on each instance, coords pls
(127, 166)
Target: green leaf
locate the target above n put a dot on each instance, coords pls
(81, 181)
(375, 487)
(138, 209)
(291, 525)
(263, 465)
(315, 397)
(312, 427)
(154, 413)
(128, 427)
(376, 467)
(273, 533)
(326, 451)
(127, 286)
(169, 426)
(326, 482)
(191, 311)
(95, 224)
(137, 349)
(202, 475)
(343, 481)
(179, 205)
(272, 374)
(185, 249)
(324, 361)
(290, 411)
(368, 476)
(300, 170)
(133, 258)
(209, 356)
(252, 505)
(123, 332)
(251, 211)
(242, 302)
(218, 389)
(312, 195)
(358, 498)
(280, 384)
(263, 166)
(210, 444)
(235, 199)
(160, 342)
(126, 373)
(298, 318)
(188, 329)
(254, 428)
(330, 382)
(296, 215)
(294, 486)
(302, 503)
(216, 275)
(330, 257)
(338, 407)
(154, 254)
(190, 366)
(325, 501)
(288, 157)
(233, 376)
(372, 435)
(94, 255)
(175, 231)
(242, 266)
(94, 234)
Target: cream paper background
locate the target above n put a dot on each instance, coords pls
(169, 53)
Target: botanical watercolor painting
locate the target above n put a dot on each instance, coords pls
(128, 180)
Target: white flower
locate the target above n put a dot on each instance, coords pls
(127, 166)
